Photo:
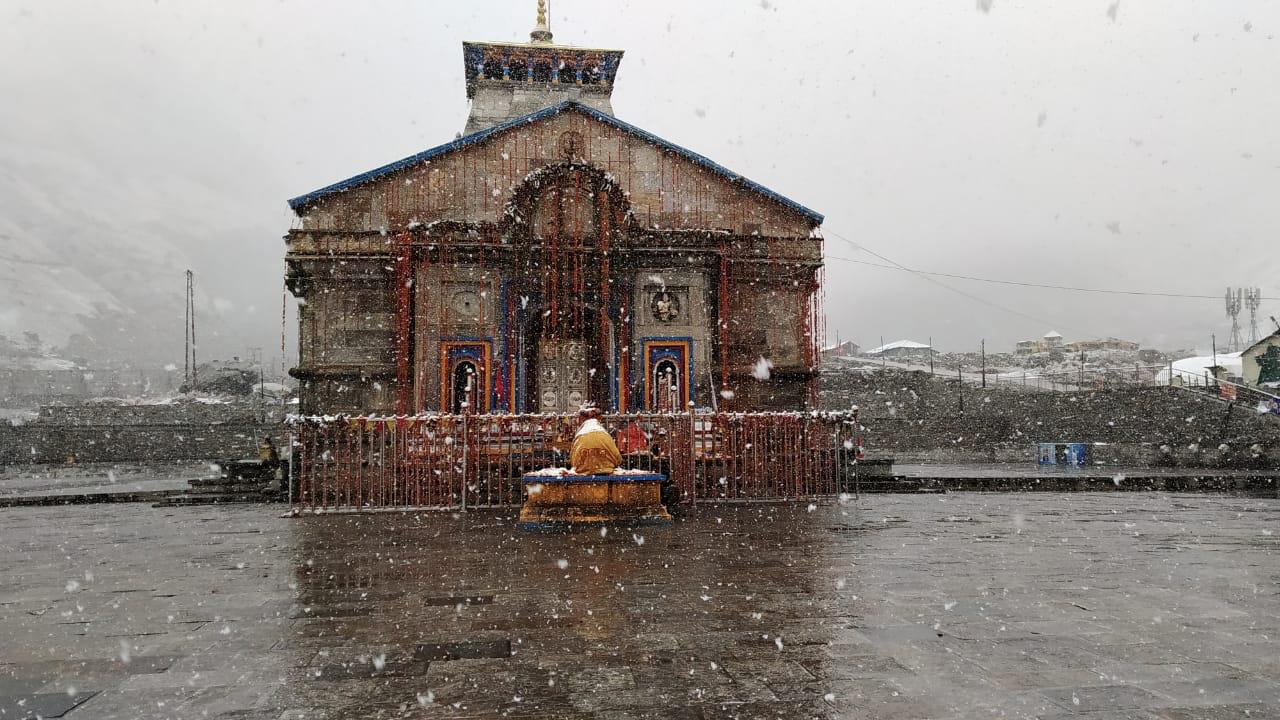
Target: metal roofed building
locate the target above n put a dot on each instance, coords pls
(902, 349)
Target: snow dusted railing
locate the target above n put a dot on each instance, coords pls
(461, 461)
(1228, 391)
(1103, 377)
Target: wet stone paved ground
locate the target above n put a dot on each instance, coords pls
(959, 606)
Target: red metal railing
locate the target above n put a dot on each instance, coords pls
(461, 461)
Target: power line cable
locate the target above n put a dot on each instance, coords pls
(1016, 283)
(1033, 285)
(926, 277)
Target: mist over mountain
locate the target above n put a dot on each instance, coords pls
(86, 277)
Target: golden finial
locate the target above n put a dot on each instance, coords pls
(542, 32)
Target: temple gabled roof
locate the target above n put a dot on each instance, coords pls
(301, 202)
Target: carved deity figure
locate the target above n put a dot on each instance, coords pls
(666, 308)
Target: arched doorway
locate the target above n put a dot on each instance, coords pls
(566, 218)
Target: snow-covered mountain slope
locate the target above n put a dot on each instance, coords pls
(72, 263)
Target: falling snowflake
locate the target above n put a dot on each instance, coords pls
(761, 369)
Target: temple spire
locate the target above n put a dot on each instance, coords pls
(542, 31)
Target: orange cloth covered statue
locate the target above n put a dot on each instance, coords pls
(593, 451)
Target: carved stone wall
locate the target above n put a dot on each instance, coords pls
(674, 305)
(460, 304)
(346, 335)
(473, 184)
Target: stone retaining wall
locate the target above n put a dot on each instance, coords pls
(147, 433)
(916, 417)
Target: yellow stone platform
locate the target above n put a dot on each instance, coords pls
(552, 501)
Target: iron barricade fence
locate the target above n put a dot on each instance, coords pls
(473, 461)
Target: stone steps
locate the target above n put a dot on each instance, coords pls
(191, 498)
(240, 482)
(903, 486)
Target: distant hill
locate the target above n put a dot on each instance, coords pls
(82, 272)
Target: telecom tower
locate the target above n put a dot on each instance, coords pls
(1234, 302)
(1253, 300)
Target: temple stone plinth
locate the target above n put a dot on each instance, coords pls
(568, 500)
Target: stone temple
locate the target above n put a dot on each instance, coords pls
(553, 255)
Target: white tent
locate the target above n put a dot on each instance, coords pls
(899, 345)
(1194, 370)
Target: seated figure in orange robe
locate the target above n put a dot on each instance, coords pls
(593, 451)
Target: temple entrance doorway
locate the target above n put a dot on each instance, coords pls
(566, 219)
(563, 376)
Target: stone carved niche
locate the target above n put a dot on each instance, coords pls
(464, 306)
(667, 305)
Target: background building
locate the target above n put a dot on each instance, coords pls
(842, 349)
(1076, 346)
(1260, 362)
(902, 349)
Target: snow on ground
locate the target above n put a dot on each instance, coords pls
(18, 416)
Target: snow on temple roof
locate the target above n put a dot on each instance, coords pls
(1053, 334)
(302, 201)
(899, 345)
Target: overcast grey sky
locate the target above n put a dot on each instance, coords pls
(1131, 145)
